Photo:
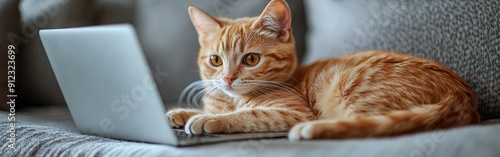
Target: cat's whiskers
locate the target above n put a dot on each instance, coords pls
(197, 98)
(194, 91)
(188, 92)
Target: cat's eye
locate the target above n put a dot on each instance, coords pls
(215, 60)
(251, 59)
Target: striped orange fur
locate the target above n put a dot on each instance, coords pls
(252, 83)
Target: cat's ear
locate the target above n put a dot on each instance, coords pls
(275, 20)
(205, 25)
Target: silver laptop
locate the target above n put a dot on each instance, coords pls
(109, 89)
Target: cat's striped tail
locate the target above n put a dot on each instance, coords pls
(450, 112)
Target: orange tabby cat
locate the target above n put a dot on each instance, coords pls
(253, 84)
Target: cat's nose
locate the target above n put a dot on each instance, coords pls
(230, 79)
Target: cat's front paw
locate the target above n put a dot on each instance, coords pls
(178, 117)
(207, 123)
(302, 131)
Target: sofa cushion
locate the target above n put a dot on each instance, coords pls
(9, 30)
(37, 83)
(50, 131)
(170, 41)
(463, 35)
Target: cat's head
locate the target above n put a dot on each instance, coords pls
(246, 55)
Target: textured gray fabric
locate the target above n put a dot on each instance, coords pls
(491, 122)
(51, 132)
(463, 35)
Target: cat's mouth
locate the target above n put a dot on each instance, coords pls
(233, 90)
(228, 87)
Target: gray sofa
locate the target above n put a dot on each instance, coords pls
(463, 35)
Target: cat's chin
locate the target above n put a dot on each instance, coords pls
(234, 93)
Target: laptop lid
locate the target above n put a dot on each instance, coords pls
(107, 83)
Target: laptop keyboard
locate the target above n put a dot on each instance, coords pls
(181, 133)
